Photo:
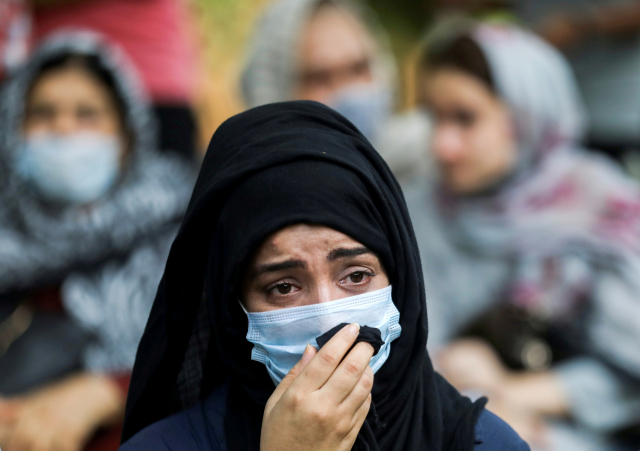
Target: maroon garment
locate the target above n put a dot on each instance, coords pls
(153, 33)
(48, 299)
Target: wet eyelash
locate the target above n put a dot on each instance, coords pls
(274, 286)
(363, 271)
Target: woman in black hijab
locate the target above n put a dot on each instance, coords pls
(266, 170)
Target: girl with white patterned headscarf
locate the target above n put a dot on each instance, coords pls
(521, 218)
(86, 221)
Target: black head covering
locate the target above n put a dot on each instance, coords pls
(265, 169)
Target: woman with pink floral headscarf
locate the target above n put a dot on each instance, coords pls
(528, 241)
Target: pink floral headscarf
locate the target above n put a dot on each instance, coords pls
(565, 211)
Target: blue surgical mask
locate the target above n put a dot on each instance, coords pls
(74, 169)
(367, 106)
(281, 336)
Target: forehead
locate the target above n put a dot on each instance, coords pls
(302, 239)
(333, 37)
(69, 84)
(446, 85)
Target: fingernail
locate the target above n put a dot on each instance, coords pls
(306, 355)
(354, 329)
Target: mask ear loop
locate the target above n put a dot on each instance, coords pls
(242, 307)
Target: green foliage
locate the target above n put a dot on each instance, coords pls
(404, 20)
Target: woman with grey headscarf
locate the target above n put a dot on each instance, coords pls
(89, 210)
(334, 52)
(527, 241)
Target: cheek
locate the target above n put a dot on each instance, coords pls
(316, 90)
(494, 146)
(33, 127)
(381, 281)
(253, 302)
(320, 94)
(108, 125)
(505, 147)
(356, 78)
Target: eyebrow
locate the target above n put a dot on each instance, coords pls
(344, 252)
(274, 267)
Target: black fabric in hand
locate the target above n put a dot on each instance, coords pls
(367, 334)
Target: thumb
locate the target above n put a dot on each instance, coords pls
(307, 355)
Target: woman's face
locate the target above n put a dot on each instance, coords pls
(335, 51)
(309, 264)
(473, 139)
(69, 100)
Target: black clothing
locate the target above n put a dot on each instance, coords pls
(202, 428)
(367, 334)
(177, 129)
(265, 169)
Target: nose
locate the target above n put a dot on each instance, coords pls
(448, 145)
(64, 122)
(325, 293)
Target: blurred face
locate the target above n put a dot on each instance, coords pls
(473, 139)
(309, 264)
(68, 101)
(335, 51)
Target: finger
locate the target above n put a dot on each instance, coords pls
(358, 396)
(349, 372)
(322, 366)
(307, 355)
(358, 420)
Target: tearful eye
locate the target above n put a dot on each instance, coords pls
(284, 288)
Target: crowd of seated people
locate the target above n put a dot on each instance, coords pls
(525, 253)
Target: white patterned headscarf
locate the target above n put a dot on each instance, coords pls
(109, 257)
(270, 73)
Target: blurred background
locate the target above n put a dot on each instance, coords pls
(513, 127)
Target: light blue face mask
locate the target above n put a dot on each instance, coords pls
(281, 336)
(367, 106)
(73, 169)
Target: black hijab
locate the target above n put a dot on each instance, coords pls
(265, 169)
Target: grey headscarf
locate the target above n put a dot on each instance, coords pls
(110, 256)
(270, 75)
(270, 71)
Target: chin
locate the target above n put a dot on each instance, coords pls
(461, 186)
